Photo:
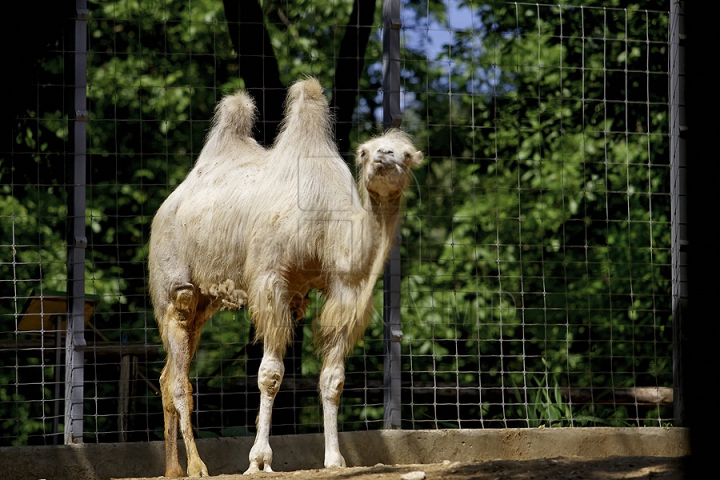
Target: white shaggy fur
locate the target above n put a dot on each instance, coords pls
(261, 227)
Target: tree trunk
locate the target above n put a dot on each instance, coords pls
(258, 65)
(349, 67)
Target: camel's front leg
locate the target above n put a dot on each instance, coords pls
(270, 377)
(332, 380)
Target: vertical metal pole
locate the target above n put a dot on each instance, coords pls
(58, 380)
(699, 332)
(77, 242)
(678, 202)
(392, 117)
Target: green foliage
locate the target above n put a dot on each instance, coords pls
(541, 227)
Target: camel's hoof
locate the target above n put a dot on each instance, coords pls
(175, 472)
(334, 461)
(255, 468)
(197, 468)
(260, 458)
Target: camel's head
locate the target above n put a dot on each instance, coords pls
(384, 163)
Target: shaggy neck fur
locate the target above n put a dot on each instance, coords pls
(380, 219)
(384, 214)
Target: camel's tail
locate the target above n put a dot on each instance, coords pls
(307, 115)
(234, 116)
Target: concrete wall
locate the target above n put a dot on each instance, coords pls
(296, 452)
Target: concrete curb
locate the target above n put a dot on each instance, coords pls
(302, 452)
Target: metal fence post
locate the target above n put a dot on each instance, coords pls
(392, 118)
(77, 241)
(678, 201)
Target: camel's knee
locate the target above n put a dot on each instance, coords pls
(270, 376)
(332, 382)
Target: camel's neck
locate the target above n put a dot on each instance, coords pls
(380, 224)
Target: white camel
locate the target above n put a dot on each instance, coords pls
(261, 227)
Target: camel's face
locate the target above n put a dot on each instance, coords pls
(385, 164)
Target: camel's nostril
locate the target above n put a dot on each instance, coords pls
(383, 161)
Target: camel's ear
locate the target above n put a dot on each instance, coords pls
(360, 155)
(414, 159)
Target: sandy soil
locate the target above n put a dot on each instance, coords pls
(562, 468)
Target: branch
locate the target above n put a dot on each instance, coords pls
(349, 67)
(257, 62)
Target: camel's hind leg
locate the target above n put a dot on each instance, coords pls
(172, 465)
(181, 333)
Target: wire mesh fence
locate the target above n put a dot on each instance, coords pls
(537, 266)
(536, 285)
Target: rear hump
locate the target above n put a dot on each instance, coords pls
(234, 116)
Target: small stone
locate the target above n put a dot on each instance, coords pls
(417, 475)
(446, 462)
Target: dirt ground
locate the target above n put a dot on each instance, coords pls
(562, 468)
